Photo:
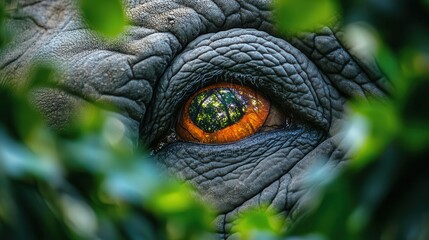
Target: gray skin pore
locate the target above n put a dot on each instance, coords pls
(173, 48)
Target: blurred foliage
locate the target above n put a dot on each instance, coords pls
(382, 193)
(106, 17)
(305, 15)
(260, 223)
(87, 184)
(401, 23)
(90, 182)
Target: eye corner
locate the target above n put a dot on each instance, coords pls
(162, 142)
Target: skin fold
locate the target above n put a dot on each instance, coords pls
(170, 50)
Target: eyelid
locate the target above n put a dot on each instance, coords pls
(272, 66)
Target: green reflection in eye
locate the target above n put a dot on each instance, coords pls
(216, 109)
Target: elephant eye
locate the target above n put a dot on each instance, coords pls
(224, 113)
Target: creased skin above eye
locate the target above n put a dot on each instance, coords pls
(245, 57)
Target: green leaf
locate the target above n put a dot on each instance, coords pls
(328, 214)
(390, 66)
(185, 216)
(305, 15)
(259, 223)
(106, 17)
(42, 75)
(415, 134)
(373, 125)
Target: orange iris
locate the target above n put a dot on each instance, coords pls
(222, 113)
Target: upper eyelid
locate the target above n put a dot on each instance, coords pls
(291, 76)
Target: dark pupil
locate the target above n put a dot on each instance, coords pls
(215, 109)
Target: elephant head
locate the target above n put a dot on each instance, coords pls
(170, 52)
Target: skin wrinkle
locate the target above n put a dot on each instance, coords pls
(172, 156)
(369, 67)
(204, 8)
(55, 10)
(216, 171)
(45, 14)
(114, 86)
(97, 89)
(307, 44)
(210, 172)
(230, 216)
(42, 28)
(174, 48)
(12, 59)
(266, 197)
(314, 93)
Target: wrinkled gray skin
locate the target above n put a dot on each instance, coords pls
(173, 48)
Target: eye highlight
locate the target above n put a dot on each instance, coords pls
(222, 113)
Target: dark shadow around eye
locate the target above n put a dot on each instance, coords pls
(223, 113)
